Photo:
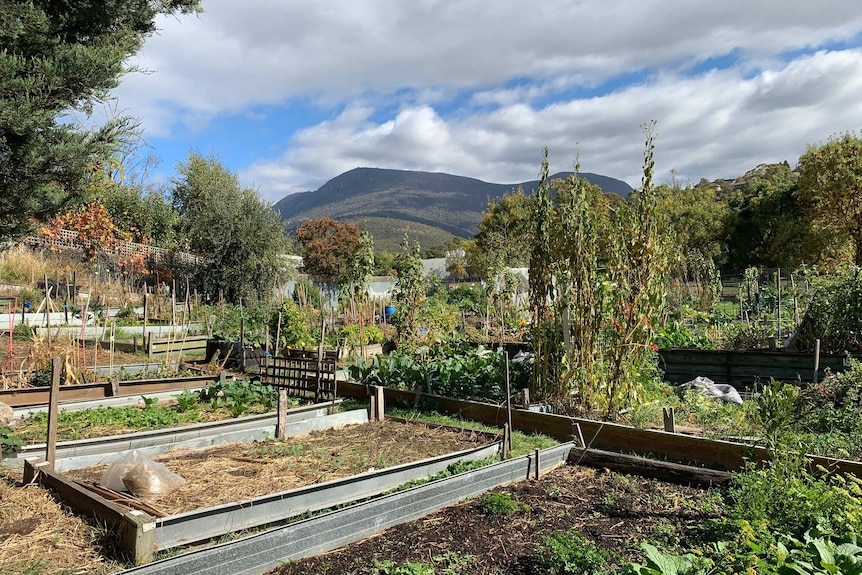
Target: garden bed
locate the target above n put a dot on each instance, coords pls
(238, 471)
(502, 534)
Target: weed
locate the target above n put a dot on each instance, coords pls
(567, 552)
(149, 402)
(499, 503)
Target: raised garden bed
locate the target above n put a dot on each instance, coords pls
(238, 471)
(487, 535)
(245, 486)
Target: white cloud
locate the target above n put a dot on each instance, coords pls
(715, 125)
(391, 71)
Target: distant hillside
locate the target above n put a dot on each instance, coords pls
(386, 200)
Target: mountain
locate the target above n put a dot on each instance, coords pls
(426, 204)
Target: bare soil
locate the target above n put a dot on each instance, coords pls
(612, 510)
(238, 471)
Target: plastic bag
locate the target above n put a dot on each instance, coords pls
(142, 477)
(720, 391)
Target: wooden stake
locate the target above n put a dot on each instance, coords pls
(816, 360)
(281, 428)
(242, 344)
(53, 401)
(537, 467)
(526, 394)
(505, 447)
(508, 397)
(668, 416)
(277, 336)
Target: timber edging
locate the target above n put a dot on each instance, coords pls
(712, 453)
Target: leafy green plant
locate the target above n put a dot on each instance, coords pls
(498, 503)
(775, 406)
(388, 567)
(9, 442)
(149, 402)
(567, 552)
(658, 563)
(186, 401)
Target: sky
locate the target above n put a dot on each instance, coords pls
(290, 94)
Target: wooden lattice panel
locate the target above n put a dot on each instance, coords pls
(301, 373)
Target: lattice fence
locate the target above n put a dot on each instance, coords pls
(67, 240)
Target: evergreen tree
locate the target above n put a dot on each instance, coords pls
(56, 58)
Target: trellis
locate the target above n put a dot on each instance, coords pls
(302, 373)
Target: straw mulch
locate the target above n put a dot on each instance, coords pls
(239, 471)
(38, 536)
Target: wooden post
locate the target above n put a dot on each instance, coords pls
(150, 344)
(377, 403)
(526, 394)
(778, 305)
(144, 328)
(508, 397)
(221, 377)
(816, 360)
(537, 467)
(668, 416)
(281, 428)
(505, 447)
(277, 336)
(242, 344)
(115, 387)
(53, 400)
(578, 436)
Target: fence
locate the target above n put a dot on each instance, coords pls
(68, 240)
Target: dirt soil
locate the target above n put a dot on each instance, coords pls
(612, 510)
(239, 471)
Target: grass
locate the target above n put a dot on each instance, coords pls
(522, 443)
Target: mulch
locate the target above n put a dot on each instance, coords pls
(612, 510)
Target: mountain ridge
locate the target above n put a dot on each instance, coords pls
(450, 203)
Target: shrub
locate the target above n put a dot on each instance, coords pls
(834, 314)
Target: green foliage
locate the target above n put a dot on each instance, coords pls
(147, 216)
(230, 318)
(240, 236)
(659, 563)
(349, 336)
(409, 292)
(186, 401)
(306, 294)
(59, 57)
(498, 503)
(766, 225)
(9, 442)
(775, 406)
(569, 552)
(467, 372)
(504, 232)
(448, 563)
(830, 191)
(676, 335)
(834, 314)
(239, 396)
(299, 326)
(791, 500)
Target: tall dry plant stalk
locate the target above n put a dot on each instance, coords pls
(598, 283)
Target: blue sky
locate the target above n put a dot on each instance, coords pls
(291, 94)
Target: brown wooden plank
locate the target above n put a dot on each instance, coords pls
(663, 470)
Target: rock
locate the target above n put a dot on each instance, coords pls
(6, 415)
